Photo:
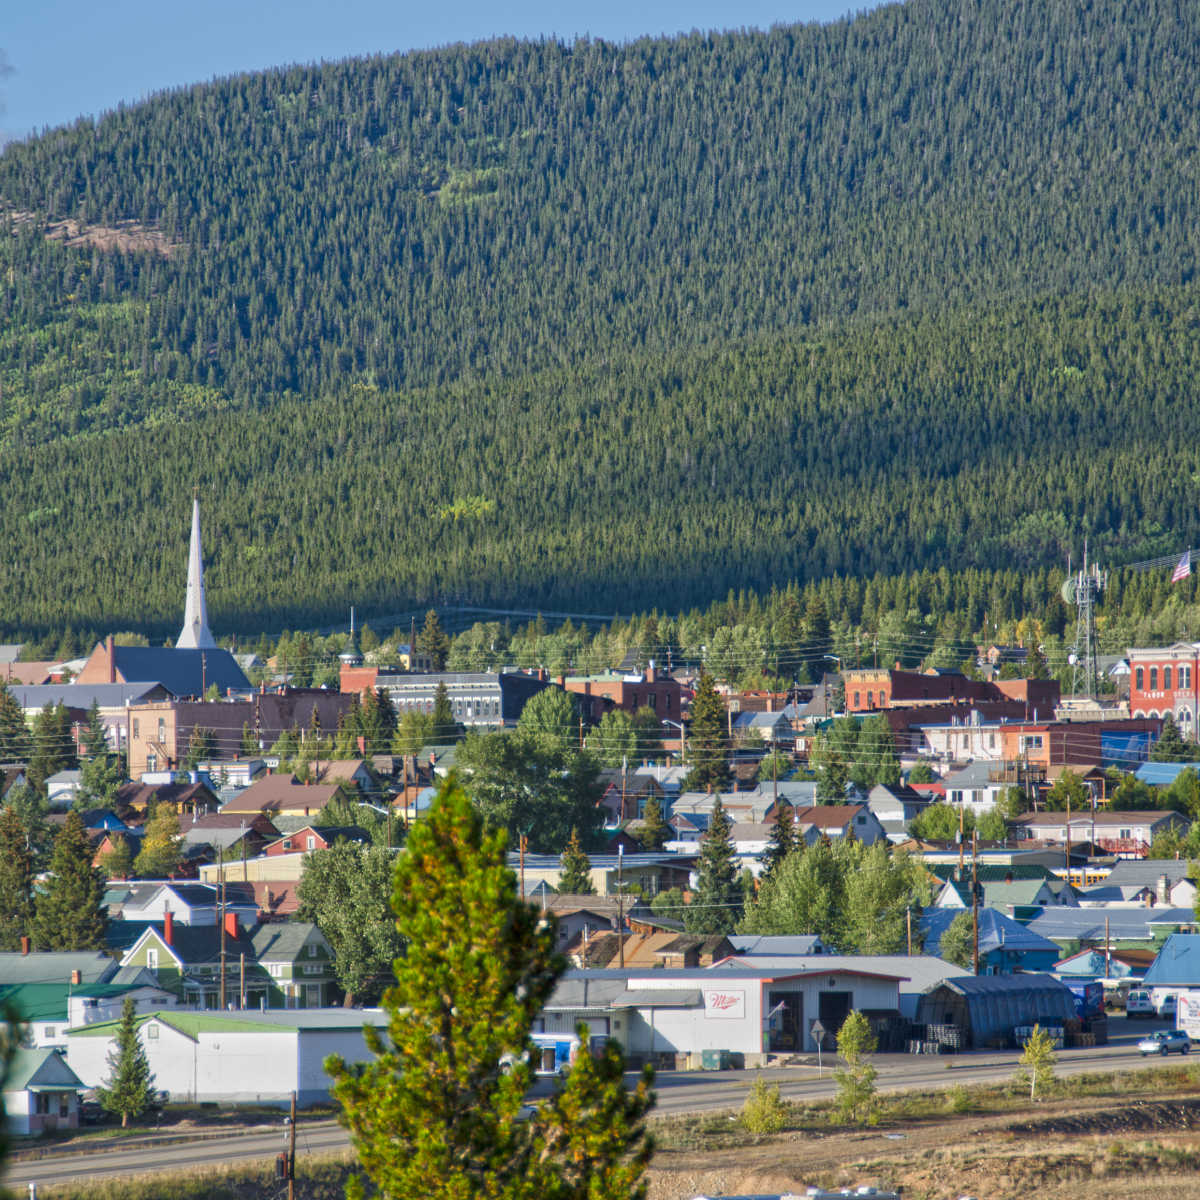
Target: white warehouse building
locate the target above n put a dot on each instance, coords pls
(241, 1057)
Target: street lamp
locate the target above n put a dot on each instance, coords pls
(677, 725)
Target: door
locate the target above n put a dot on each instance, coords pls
(833, 1009)
(785, 1019)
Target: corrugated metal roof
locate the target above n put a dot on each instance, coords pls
(1177, 964)
(659, 998)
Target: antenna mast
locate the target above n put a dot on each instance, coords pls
(1083, 590)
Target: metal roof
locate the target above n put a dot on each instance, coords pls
(659, 998)
(1177, 964)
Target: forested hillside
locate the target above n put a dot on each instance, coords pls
(603, 327)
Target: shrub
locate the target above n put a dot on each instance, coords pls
(764, 1111)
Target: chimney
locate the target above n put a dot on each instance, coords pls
(169, 927)
(231, 925)
(76, 978)
(24, 945)
(1164, 890)
(112, 659)
(651, 672)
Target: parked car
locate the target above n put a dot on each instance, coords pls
(1164, 1042)
(1138, 1003)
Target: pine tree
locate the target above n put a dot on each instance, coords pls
(435, 1114)
(716, 904)
(655, 832)
(53, 745)
(128, 1089)
(708, 740)
(445, 727)
(432, 641)
(248, 746)
(69, 913)
(16, 746)
(94, 737)
(783, 838)
(378, 721)
(16, 881)
(1170, 746)
(575, 879)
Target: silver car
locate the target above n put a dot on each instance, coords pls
(1165, 1041)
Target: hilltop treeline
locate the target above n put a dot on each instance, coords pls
(602, 327)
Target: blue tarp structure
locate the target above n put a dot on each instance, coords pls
(1158, 774)
(1123, 749)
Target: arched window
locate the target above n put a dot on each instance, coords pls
(1154, 679)
(1167, 678)
(1140, 679)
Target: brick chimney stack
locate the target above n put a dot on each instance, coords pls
(168, 927)
(24, 945)
(110, 651)
(231, 924)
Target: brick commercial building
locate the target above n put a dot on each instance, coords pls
(601, 693)
(1163, 681)
(159, 733)
(877, 689)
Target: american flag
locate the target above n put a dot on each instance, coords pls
(1184, 567)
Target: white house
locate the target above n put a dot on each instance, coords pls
(188, 903)
(240, 1057)
(41, 1093)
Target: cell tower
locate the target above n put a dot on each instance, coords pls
(1083, 590)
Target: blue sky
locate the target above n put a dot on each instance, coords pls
(69, 58)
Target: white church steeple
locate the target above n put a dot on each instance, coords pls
(195, 634)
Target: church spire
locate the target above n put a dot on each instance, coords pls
(195, 634)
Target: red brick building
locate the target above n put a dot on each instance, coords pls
(878, 689)
(600, 693)
(1163, 681)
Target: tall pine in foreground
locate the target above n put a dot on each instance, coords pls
(716, 904)
(16, 881)
(128, 1089)
(576, 877)
(69, 911)
(435, 1115)
(708, 740)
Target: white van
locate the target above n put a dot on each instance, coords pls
(1138, 1003)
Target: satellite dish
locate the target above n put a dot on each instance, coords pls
(1068, 590)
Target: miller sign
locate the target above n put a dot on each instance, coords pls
(724, 1004)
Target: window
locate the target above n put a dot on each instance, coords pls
(310, 842)
(152, 958)
(312, 949)
(857, 702)
(43, 1103)
(314, 969)
(652, 700)
(275, 970)
(151, 762)
(1125, 834)
(137, 732)
(49, 1033)
(1167, 678)
(1154, 679)
(162, 730)
(870, 699)
(1185, 677)
(667, 703)
(1139, 679)
(287, 843)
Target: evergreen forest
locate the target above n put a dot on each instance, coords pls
(598, 328)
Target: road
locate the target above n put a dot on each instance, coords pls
(678, 1092)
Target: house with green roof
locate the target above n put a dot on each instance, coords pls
(41, 1093)
(201, 1056)
(47, 1010)
(285, 965)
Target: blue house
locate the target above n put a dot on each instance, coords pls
(1005, 946)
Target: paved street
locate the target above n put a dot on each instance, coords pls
(678, 1092)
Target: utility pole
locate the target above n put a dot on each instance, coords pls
(621, 905)
(242, 980)
(624, 774)
(522, 844)
(975, 898)
(222, 983)
(1107, 952)
(292, 1152)
(908, 917)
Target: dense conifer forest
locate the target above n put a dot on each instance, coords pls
(599, 327)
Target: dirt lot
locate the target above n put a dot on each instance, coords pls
(1125, 1151)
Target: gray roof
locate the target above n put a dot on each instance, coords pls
(973, 775)
(1140, 872)
(1124, 924)
(805, 945)
(10, 652)
(56, 966)
(82, 695)
(181, 672)
(659, 998)
(979, 985)
(995, 931)
(1177, 963)
(281, 940)
(916, 973)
